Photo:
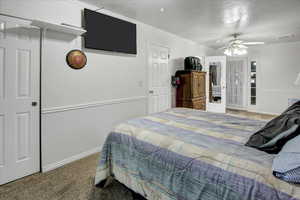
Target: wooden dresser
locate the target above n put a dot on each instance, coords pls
(191, 91)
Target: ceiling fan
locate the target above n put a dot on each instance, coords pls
(238, 47)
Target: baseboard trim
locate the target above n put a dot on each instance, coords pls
(264, 113)
(236, 108)
(92, 104)
(254, 111)
(56, 165)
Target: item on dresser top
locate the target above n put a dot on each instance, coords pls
(278, 131)
(192, 63)
(286, 165)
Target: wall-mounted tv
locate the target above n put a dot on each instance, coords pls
(108, 33)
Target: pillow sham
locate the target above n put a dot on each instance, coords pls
(289, 157)
(278, 131)
(286, 165)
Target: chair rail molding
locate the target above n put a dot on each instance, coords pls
(92, 104)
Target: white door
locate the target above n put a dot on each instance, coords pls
(216, 83)
(159, 79)
(236, 82)
(19, 89)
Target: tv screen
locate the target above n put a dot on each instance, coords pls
(108, 33)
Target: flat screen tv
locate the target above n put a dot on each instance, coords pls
(108, 33)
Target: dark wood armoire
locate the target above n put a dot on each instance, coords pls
(191, 92)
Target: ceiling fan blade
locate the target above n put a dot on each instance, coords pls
(221, 48)
(253, 43)
(243, 46)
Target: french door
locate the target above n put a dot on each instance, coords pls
(236, 82)
(19, 98)
(216, 83)
(159, 79)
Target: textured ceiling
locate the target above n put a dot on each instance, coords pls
(211, 22)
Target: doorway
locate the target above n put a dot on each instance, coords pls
(19, 99)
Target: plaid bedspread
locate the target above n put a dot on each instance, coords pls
(186, 154)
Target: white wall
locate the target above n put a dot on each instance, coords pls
(278, 67)
(80, 107)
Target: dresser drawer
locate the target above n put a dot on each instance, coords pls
(198, 104)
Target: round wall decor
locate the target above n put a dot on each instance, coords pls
(76, 59)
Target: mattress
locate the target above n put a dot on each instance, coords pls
(190, 155)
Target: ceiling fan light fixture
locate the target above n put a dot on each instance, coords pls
(235, 51)
(228, 52)
(238, 47)
(241, 52)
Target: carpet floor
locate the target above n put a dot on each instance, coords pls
(74, 181)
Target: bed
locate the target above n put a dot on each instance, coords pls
(186, 154)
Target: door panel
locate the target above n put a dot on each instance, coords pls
(2, 70)
(198, 89)
(159, 79)
(236, 71)
(23, 73)
(2, 29)
(196, 86)
(216, 83)
(19, 87)
(2, 133)
(23, 135)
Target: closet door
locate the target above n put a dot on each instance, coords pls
(19, 99)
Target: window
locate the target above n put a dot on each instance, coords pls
(253, 83)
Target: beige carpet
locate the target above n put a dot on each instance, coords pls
(71, 182)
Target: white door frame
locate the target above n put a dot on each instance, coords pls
(216, 107)
(246, 82)
(36, 67)
(149, 43)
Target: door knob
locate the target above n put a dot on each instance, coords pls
(34, 103)
(151, 91)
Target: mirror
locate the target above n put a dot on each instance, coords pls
(215, 94)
